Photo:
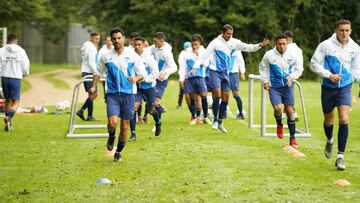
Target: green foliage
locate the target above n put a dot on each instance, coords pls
(312, 21)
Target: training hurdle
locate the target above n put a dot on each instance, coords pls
(263, 126)
(72, 124)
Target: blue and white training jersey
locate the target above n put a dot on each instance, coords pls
(237, 63)
(152, 70)
(331, 57)
(219, 50)
(187, 63)
(117, 68)
(164, 58)
(275, 68)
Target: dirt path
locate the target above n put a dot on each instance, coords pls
(44, 93)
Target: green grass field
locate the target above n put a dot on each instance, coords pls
(185, 164)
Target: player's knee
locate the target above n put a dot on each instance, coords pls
(277, 109)
(343, 119)
(111, 126)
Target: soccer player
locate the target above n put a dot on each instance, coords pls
(337, 60)
(195, 84)
(146, 89)
(133, 35)
(108, 46)
(278, 69)
(293, 47)
(123, 68)
(14, 64)
(167, 66)
(187, 47)
(88, 65)
(220, 50)
(237, 64)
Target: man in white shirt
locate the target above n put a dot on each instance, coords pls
(187, 47)
(123, 68)
(193, 79)
(337, 61)
(146, 88)
(219, 50)
(89, 59)
(293, 47)
(14, 64)
(278, 69)
(108, 46)
(167, 66)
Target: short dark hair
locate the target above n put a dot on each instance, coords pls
(289, 34)
(196, 37)
(140, 39)
(342, 22)
(116, 30)
(94, 34)
(227, 27)
(159, 35)
(134, 35)
(280, 36)
(11, 37)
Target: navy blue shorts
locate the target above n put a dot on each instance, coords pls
(208, 84)
(87, 84)
(195, 85)
(219, 80)
(234, 81)
(330, 98)
(160, 88)
(11, 88)
(282, 95)
(147, 94)
(121, 105)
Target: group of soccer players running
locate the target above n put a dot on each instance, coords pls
(140, 72)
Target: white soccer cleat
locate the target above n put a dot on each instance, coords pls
(215, 125)
(222, 128)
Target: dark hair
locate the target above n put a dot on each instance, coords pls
(140, 39)
(227, 27)
(342, 22)
(159, 35)
(196, 37)
(116, 30)
(280, 36)
(289, 34)
(11, 37)
(134, 35)
(94, 34)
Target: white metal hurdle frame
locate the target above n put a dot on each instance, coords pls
(72, 125)
(263, 126)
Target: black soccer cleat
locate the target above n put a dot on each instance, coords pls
(157, 129)
(91, 118)
(81, 115)
(132, 137)
(110, 143)
(240, 116)
(117, 157)
(8, 124)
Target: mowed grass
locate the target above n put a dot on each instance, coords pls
(185, 164)
(51, 77)
(57, 82)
